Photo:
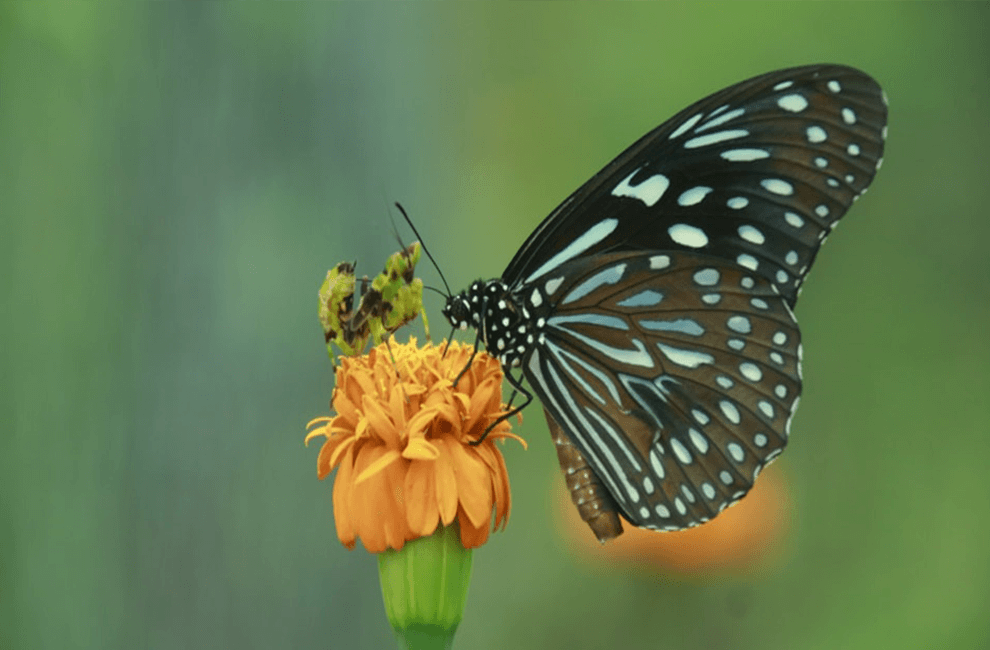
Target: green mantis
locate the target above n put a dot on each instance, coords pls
(393, 299)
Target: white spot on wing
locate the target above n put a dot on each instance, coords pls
(646, 298)
(750, 371)
(658, 262)
(693, 196)
(683, 455)
(707, 277)
(777, 186)
(730, 411)
(685, 357)
(592, 236)
(751, 234)
(610, 275)
(739, 324)
(816, 134)
(794, 103)
(657, 465)
(553, 285)
(638, 357)
(689, 236)
(686, 326)
(699, 441)
(715, 138)
(719, 121)
(648, 191)
(744, 155)
(685, 126)
(748, 261)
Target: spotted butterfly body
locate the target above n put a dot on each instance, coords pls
(651, 312)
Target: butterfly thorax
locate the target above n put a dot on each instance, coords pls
(507, 325)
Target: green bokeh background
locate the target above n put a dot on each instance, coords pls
(176, 179)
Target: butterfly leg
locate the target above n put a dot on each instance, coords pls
(477, 342)
(517, 386)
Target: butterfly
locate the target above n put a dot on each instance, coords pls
(652, 312)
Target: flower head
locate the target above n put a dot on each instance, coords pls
(400, 439)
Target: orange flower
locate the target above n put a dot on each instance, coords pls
(400, 439)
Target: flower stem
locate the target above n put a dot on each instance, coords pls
(425, 637)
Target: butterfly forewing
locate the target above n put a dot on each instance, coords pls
(758, 174)
(674, 376)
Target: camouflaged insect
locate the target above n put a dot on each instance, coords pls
(391, 300)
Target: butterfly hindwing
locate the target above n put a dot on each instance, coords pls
(676, 378)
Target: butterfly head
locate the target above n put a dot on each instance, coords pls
(505, 326)
(463, 310)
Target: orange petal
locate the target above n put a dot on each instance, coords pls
(473, 486)
(446, 482)
(340, 445)
(368, 505)
(421, 504)
(418, 448)
(472, 536)
(420, 421)
(394, 502)
(379, 421)
(385, 458)
(342, 500)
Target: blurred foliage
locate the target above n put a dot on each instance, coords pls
(175, 179)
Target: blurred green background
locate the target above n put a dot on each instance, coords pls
(175, 179)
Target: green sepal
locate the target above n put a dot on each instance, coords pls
(424, 586)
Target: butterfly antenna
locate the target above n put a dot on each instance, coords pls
(425, 249)
(426, 286)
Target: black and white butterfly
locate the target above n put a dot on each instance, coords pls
(651, 312)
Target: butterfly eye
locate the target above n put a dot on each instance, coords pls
(652, 311)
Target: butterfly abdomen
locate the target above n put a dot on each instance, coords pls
(596, 507)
